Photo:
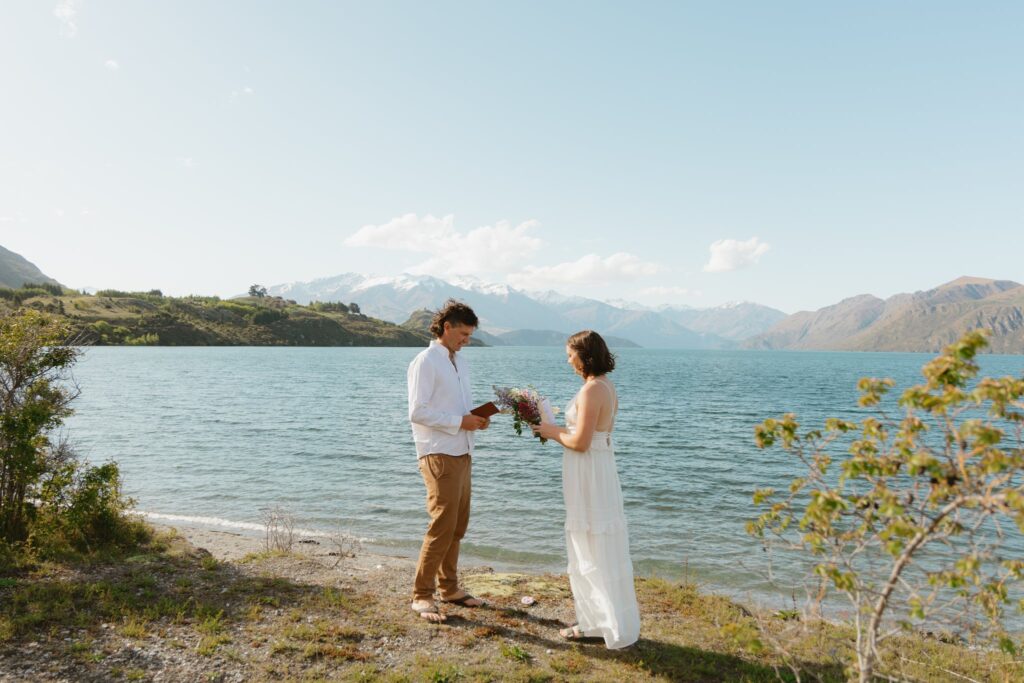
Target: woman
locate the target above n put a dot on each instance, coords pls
(600, 570)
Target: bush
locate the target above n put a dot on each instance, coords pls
(49, 500)
(154, 295)
(947, 472)
(266, 316)
(151, 339)
(26, 292)
(238, 309)
(54, 290)
(329, 306)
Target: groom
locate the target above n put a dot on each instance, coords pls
(442, 427)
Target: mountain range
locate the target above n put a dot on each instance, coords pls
(923, 321)
(538, 317)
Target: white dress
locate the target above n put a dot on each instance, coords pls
(600, 570)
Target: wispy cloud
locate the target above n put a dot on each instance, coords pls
(66, 11)
(186, 162)
(244, 91)
(661, 294)
(590, 269)
(731, 254)
(487, 250)
(112, 64)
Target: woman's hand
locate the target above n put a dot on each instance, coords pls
(547, 430)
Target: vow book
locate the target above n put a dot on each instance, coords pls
(485, 410)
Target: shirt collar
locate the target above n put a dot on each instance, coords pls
(439, 348)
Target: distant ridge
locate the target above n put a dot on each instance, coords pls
(924, 321)
(16, 270)
(503, 309)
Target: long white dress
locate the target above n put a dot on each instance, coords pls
(600, 570)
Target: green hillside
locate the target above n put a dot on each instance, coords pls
(149, 318)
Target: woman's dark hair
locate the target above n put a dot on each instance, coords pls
(592, 352)
(454, 312)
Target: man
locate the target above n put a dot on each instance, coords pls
(442, 427)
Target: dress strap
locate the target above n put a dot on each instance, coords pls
(615, 401)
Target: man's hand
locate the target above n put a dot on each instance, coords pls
(471, 422)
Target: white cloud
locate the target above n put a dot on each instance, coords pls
(590, 269)
(59, 213)
(186, 162)
(490, 249)
(66, 11)
(729, 255)
(112, 64)
(241, 92)
(6, 219)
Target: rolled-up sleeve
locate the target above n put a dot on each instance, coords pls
(421, 388)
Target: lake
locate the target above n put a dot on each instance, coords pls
(212, 436)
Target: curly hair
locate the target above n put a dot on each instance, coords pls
(454, 312)
(593, 353)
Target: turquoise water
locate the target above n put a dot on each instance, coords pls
(212, 435)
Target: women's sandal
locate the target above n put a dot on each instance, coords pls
(574, 633)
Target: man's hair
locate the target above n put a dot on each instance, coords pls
(592, 352)
(454, 312)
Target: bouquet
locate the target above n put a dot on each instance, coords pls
(525, 405)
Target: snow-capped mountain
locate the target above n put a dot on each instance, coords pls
(504, 309)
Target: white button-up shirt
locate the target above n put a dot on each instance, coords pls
(439, 396)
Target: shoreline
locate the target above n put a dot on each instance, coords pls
(201, 604)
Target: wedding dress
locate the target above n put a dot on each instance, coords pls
(600, 570)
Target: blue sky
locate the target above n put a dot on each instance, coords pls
(790, 153)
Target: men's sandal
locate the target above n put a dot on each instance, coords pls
(429, 609)
(461, 602)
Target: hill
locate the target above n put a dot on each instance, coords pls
(924, 321)
(16, 270)
(139, 318)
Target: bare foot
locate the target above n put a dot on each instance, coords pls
(428, 610)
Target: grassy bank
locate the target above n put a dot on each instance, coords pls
(140, 318)
(171, 611)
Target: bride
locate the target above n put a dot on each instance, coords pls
(600, 570)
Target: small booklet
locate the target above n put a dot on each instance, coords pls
(546, 413)
(485, 410)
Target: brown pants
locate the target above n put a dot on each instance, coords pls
(448, 479)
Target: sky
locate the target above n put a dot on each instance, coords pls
(792, 154)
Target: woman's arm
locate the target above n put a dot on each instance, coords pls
(588, 408)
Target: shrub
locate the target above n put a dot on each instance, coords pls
(948, 474)
(54, 290)
(48, 499)
(236, 308)
(151, 339)
(329, 306)
(265, 316)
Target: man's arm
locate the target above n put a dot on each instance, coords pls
(421, 388)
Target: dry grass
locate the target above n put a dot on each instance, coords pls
(257, 621)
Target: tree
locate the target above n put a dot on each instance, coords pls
(34, 400)
(257, 290)
(916, 516)
(354, 307)
(50, 502)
